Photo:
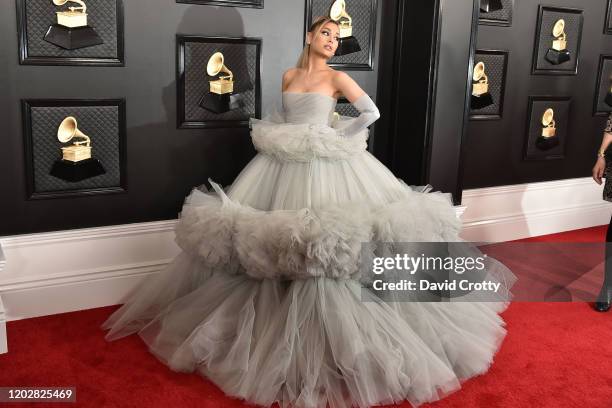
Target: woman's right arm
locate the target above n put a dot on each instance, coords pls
(600, 164)
(607, 136)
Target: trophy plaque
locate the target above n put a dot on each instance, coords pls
(71, 30)
(481, 97)
(76, 163)
(347, 44)
(558, 53)
(548, 139)
(218, 99)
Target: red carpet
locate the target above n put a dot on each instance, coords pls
(555, 355)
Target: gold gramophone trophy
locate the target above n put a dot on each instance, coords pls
(489, 6)
(76, 163)
(481, 97)
(71, 30)
(548, 139)
(347, 43)
(558, 53)
(217, 100)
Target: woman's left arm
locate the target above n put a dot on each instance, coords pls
(368, 111)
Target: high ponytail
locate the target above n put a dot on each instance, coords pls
(315, 28)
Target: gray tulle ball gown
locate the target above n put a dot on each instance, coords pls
(265, 298)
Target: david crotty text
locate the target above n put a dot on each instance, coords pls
(408, 285)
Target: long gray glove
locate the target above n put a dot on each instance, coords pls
(368, 114)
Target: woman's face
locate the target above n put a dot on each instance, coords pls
(326, 42)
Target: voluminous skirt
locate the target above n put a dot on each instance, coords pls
(267, 298)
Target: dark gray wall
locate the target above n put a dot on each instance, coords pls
(447, 139)
(163, 163)
(495, 148)
(424, 89)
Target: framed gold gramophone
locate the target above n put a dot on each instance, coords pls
(548, 138)
(481, 97)
(76, 163)
(489, 6)
(225, 83)
(347, 44)
(217, 99)
(558, 53)
(71, 30)
(548, 121)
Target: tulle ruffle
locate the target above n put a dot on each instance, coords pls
(307, 343)
(303, 142)
(296, 244)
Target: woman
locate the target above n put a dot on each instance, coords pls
(602, 169)
(265, 299)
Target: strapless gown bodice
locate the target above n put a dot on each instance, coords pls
(309, 107)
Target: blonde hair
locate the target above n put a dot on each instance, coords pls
(315, 28)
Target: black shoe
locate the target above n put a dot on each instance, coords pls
(604, 298)
(602, 306)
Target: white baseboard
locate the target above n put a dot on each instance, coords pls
(57, 272)
(65, 271)
(518, 211)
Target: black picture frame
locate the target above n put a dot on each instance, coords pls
(27, 58)
(502, 18)
(228, 3)
(605, 67)
(545, 68)
(365, 59)
(558, 152)
(608, 23)
(208, 123)
(480, 114)
(26, 107)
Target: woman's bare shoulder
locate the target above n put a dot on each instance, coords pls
(341, 77)
(290, 72)
(288, 76)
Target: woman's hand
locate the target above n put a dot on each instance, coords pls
(598, 169)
